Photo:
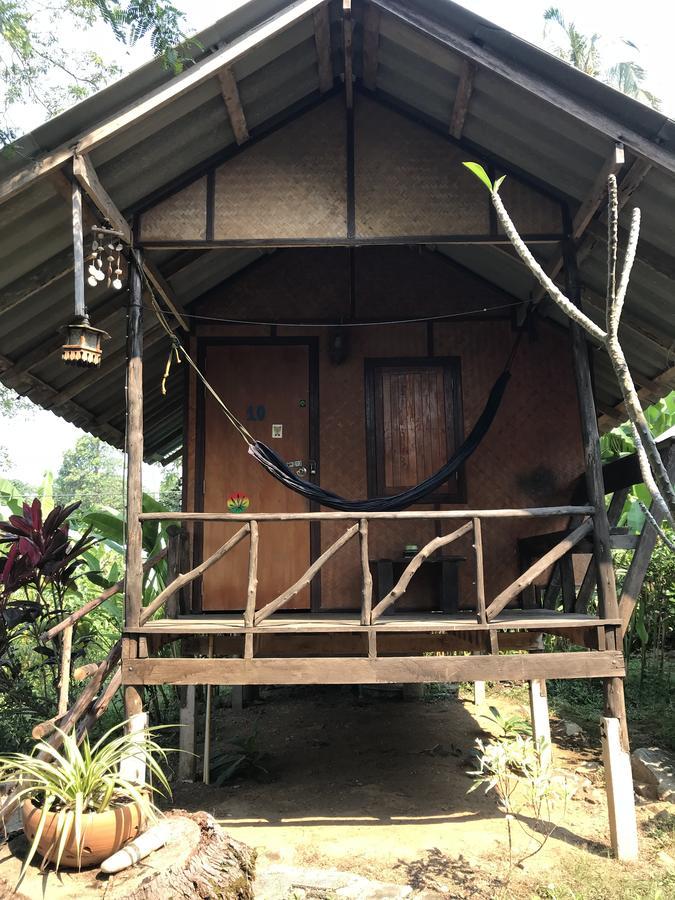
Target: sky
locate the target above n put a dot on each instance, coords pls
(37, 442)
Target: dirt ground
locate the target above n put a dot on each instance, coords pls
(375, 784)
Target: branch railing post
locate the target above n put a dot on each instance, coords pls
(366, 575)
(251, 589)
(173, 560)
(481, 614)
(64, 676)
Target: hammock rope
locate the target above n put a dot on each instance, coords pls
(278, 469)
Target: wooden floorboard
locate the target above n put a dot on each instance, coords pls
(332, 622)
(360, 670)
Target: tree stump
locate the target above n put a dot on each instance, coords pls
(199, 861)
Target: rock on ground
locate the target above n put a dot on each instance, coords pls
(655, 769)
(294, 883)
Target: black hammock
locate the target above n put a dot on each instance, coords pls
(278, 468)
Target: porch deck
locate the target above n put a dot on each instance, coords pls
(330, 622)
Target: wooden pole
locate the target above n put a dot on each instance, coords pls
(207, 725)
(133, 590)
(78, 252)
(173, 567)
(64, 679)
(366, 576)
(609, 607)
(188, 713)
(481, 614)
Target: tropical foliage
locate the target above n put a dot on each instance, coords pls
(583, 52)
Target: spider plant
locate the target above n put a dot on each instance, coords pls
(76, 780)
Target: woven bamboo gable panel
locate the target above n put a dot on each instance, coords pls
(181, 216)
(411, 182)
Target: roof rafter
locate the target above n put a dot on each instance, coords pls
(347, 41)
(460, 107)
(232, 100)
(324, 53)
(371, 45)
(155, 100)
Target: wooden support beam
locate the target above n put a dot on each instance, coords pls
(190, 78)
(347, 42)
(186, 734)
(133, 585)
(602, 554)
(166, 292)
(86, 175)
(252, 588)
(383, 670)
(620, 796)
(371, 45)
(536, 569)
(460, 107)
(533, 512)
(660, 385)
(589, 115)
(78, 252)
(235, 111)
(481, 611)
(324, 51)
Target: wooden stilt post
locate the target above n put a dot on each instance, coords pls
(541, 724)
(478, 688)
(618, 776)
(133, 591)
(187, 736)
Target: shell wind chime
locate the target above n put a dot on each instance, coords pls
(106, 252)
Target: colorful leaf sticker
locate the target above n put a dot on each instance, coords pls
(480, 173)
(238, 503)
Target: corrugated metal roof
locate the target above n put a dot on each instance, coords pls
(417, 72)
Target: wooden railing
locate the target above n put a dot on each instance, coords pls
(370, 614)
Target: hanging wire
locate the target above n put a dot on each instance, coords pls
(343, 324)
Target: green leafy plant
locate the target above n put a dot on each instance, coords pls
(77, 780)
(243, 757)
(510, 727)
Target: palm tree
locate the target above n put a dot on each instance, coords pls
(581, 51)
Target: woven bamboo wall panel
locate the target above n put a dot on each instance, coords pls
(180, 217)
(532, 212)
(291, 184)
(410, 181)
(532, 455)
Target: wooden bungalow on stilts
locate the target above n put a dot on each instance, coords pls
(298, 226)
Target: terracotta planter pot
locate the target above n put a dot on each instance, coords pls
(102, 833)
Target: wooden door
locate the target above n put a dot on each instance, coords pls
(266, 386)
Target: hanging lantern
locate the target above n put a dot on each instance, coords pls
(83, 343)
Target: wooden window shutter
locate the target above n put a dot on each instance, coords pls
(414, 423)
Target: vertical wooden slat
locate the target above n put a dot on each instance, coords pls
(481, 614)
(133, 591)
(366, 576)
(64, 678)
